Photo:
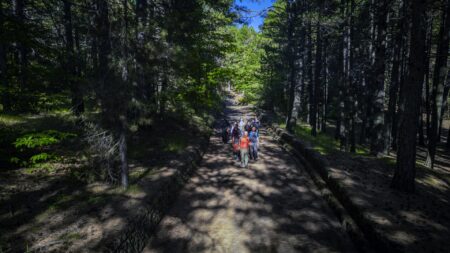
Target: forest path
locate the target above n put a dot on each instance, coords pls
(273, 206)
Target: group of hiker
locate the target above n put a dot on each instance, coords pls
(244, 136)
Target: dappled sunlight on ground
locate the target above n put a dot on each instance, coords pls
(272, 206)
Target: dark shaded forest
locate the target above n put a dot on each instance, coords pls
(374, 70)
(126, 62)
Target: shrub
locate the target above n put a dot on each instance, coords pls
(33, 147)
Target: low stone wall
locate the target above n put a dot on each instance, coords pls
(350, 215)
(143, 225)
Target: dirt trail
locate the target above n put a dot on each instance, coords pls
(271, 207)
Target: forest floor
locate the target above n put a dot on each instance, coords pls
(417, 222)
(60, 205)
(272, 206)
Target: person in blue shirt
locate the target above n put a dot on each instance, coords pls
(254, 141)
(255, 123)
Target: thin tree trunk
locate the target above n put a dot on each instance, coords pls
(5, 99)
(23, 49)
(309, 75)
(77, 97)
(290, 121)
(123, 107)
(394, 86)
(317, 77)
(448, 138)
(440, 72)
(351, 81)
(344, 92)
(444, 103)
(426, 96)
(325, 88)
(378, 76)
(364, 111)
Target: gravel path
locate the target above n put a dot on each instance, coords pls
(273, 206)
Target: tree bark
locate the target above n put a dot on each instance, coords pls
(290, 121)
(23, 49)
(5, 99)
(405, 171)
(426, 96)
(377, 84)
(437, 94)
(77, 96)
(444, 103)
(325, 88)
(318, 79)
(309, 73)
(395, 79)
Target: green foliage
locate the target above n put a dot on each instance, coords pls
(32, 147)
(42, 139)
(242, 64)
(175, 144)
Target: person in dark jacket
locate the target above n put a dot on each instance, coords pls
(226, 135)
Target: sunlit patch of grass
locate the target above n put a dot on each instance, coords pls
(175, 144)
(94, 200)
(10, 120)
(435, 182)
(322, 143)
(360, 150)
(134, 188)
(388, 160)
(59, 203)
(51, 209)
(136, 174)
(46, 167)
(69, 237)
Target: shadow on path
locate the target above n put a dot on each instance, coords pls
(272, 206)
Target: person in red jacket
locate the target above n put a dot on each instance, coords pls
(243, 146)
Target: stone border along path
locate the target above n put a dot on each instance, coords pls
(274, 206)
(386, 227)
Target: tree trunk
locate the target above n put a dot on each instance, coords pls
(5, 99)
(403, 74)
(437, 94)
(140, 55)
(309, 73)
(290, 121)
(23, 49)
(124, 108)
(365, 107)
(318, 80)
(377, 84)
(77, 97)
(426, 95)
(351, 81)
(325, 88)
(123, 159)
(448, 138)
(444, 103)
(405, 171)
(395, 79)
